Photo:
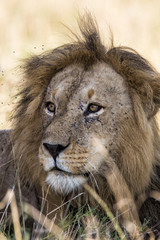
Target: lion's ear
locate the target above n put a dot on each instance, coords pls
(147, 85)
(155, 85)
(146, 81)
(141, 78)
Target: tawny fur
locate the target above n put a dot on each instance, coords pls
(137, 150)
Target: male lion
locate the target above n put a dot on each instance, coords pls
(83, 107)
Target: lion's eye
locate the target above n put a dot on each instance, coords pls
(93, 108)
(50, 107)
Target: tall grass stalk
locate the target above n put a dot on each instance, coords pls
(107, 210)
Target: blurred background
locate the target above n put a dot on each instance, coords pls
(30, 27)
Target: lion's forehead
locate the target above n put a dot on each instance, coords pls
(99, 83)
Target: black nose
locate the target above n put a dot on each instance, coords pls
(54, 150)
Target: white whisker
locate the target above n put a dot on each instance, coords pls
(91, 176)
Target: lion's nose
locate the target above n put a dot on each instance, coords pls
(54, 150)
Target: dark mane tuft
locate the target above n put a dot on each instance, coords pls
(90, 35)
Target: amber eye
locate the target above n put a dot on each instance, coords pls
(93, 108)
(50, 107)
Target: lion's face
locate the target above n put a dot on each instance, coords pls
(81, 110)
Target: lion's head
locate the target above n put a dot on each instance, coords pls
(80, 114)
(83, 106)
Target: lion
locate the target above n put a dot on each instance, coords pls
(81, 107)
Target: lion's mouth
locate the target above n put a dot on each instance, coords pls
(57, 171)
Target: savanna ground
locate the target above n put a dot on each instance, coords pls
(34, 26)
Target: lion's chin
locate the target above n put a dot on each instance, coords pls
(64, 183)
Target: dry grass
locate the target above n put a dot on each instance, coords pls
(10, 199)
(107, 210)
(91, 223)
(46, 222)
(2, 237)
